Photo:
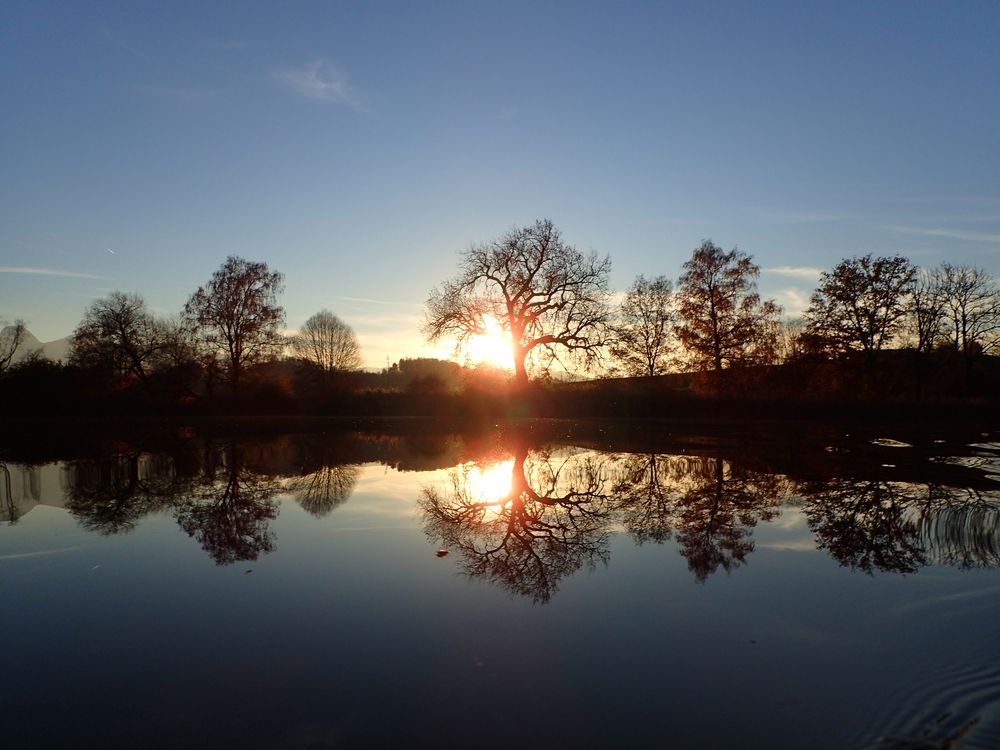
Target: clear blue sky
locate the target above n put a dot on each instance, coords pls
(359, 147)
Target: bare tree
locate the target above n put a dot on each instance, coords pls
(723, 322)
(119, 334)
(971, 299)
(643, 335)
(927, 310)
(327, 341)
(860, 305)
(11, 338)
(544, 294)
(237, 314)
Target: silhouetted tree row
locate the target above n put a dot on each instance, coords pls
(552, 302)
(229, 327)
(553, 306)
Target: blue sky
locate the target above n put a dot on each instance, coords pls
(358, 148)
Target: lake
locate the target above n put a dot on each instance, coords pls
(532, 585)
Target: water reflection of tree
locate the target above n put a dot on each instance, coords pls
(717, 516)
(229, 509)
(10, 512)
(552, 522)
(874, 524)
(112, 495)
(863, 524)
(960, 526)
(320, 491)
(221, 494)
(647, 491)
(711, 504)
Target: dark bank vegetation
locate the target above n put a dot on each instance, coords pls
(880, 337)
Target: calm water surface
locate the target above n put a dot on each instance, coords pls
(550, 586)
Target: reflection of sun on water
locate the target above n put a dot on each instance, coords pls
(492, 348)
(489, 485)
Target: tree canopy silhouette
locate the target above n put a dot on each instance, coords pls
(859, 305)
(327, 341)
(723, 322)
(119, 334)
(541, 292)
(971, 307)
(237, 314)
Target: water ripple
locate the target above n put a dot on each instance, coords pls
(956, 707)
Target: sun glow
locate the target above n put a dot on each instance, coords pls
(491, 348)
(489, 484)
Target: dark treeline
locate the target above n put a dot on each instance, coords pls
(879, 335)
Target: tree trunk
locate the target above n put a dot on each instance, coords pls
(517, 349)
(520, 369)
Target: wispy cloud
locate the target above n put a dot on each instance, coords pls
(793, 301)
(800, 272)
(378, 301)
(47, 272)
(39, 553)
(955, 234)
(322, 81)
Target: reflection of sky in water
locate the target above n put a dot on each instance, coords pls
(382, 496)
(789, 531)
(353, 631)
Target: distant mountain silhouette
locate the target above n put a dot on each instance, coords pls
(57, 350)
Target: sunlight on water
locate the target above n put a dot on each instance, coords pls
(490, 484)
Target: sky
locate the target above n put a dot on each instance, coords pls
(358, 148)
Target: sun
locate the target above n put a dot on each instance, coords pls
(489, 484)
(491, 348)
